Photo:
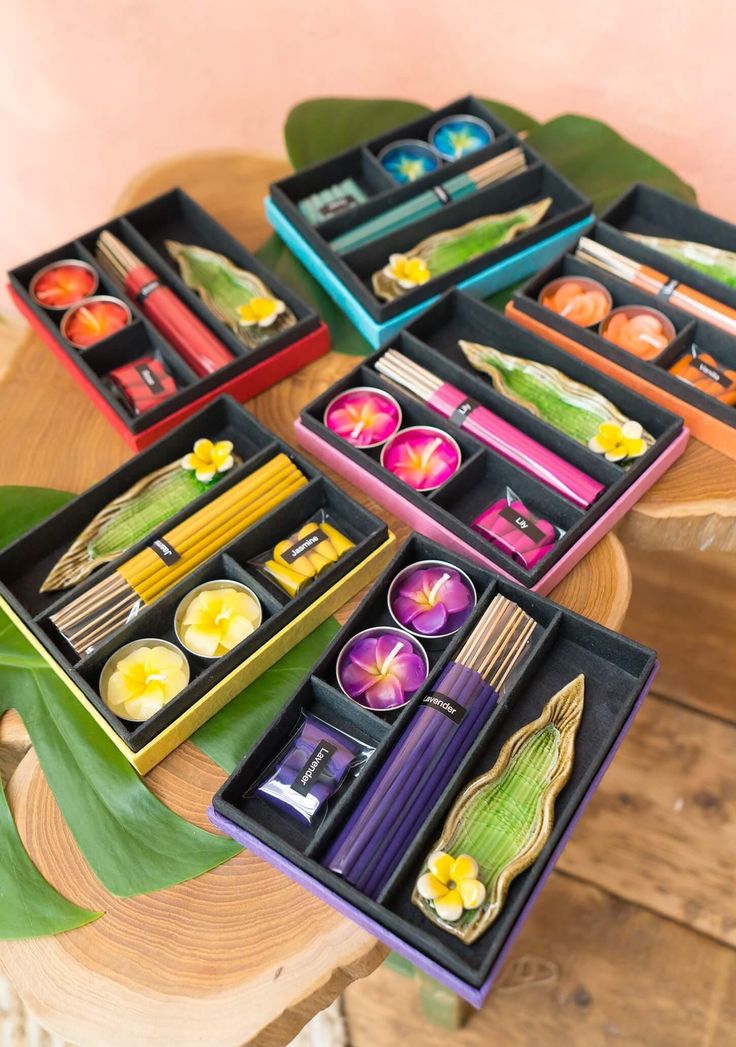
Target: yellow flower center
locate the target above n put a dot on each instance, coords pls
(410, 270)
(257, 309)
(209, 458)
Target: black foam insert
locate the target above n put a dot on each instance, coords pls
(652, 212)
(690, 331)
(354, 269)
(173, 215)
(616, 670)
(433, 341)
(25, 563)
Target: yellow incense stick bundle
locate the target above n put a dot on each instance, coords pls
(90, 618)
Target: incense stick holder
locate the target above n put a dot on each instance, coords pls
(510, 748)
(501, 822)
(128, 515)
(143, 376)
(344, 261)
(450, 249)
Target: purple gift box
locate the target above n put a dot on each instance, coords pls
(618, 673)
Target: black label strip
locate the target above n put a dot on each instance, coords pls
(149, 288)
(314, 767)
(522, 523)
(441, 193)
(304, 545)
(165, 552)
(447, 706)
(148, 378)
(714, 373)
(460, 415)
(666, 292)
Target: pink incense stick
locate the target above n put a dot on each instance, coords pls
(491, 430)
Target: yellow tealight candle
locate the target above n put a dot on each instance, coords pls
(217, 616)
(142, 677)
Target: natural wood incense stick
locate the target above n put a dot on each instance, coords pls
(444, 726)
(491, 430)
(89, 635)
(93, 628)
(655, 283)
(90, 618)
(194, 342)
(503, 166)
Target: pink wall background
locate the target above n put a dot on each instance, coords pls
(92, 91)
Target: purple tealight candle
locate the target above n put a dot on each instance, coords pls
(431, 598)
(382, 668)
(364, 416)
(422, 456)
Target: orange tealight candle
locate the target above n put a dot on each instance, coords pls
(61, 284)
(578, 298)
(94, 319)
(639, 330)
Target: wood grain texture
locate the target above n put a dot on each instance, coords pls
(661, 829)
(226, 959)
(239, 953)
(693, 506)
(684, 605)
(588, 970)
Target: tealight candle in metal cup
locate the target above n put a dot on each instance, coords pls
(127, 649)
(589, 286)
(447, 569)
(408, 159)
(220, 583)
(121, 308)
(380, 631)
(438, 438)
(480, 135)
(651, 346)
(351, 398)
(89, 282)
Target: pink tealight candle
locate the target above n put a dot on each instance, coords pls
(364, 416)
(382, 668)
(421, 456)
(431, 598)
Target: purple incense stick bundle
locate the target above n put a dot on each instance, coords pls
(441, 732)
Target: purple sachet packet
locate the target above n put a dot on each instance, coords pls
(311, 768)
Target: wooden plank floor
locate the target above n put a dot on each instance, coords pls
(633, 940)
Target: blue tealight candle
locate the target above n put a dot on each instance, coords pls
(454, 136)
(408, 159)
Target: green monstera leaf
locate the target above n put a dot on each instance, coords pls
(599, 162)
(591, 155)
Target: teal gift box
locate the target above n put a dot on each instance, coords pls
(367, 190)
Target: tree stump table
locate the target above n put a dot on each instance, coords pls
(240, 954)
